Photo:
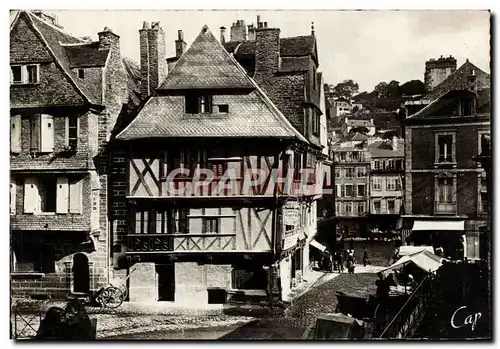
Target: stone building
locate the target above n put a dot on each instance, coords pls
(66, 95)
(238, 244)
(445, 189)
(437, 70)
(386, 183)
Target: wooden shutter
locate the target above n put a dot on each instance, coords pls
(12, 196)
(15, 134)
(31, 197)
(62, 195)
(75, 197)
(47, 128)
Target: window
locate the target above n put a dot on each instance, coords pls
(12, 196)
(361, 190)
(296, 166)
(224, 108)
(391, 165)
(445, 150)
(376, 165)
(361, 208)
(315, 122)
(348, 208)
(349, 172)
(348, 190)
(377, 183)
(25, 74)
(483, 141)
(181, 220)
(337, 190)
(355, 155)
(211, 225)
(81, 74)
(376, 206)
(41, 133)
(391, 206)
(337, 173)
(391, 183)
(15, 134)
(198, 104)
(466, 106)
(52, 195)
(360, 172)
(342, 155)
(483, 197)
(472, 246)
(399, 164)
(314, 79)
(338, 208)
(72, 131)
(30, 257)
(445, 195)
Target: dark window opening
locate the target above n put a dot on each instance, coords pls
(16, 74)
(211, 225)
(33, 258)
(249, 278)
(73, 131)
(224, 108)
(47, 191)
(467, 107)
(216, 295)
(32, 71)
(445, 143)
(181, 221)
(81, 73)
(198, 104)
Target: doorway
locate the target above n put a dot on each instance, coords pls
(166, 282)
(81, 274)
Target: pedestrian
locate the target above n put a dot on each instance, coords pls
(365, 257)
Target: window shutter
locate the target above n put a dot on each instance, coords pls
(30, 195)
(62, 195)
(12, 196)
(15, 134)
(75, 197)
(47, 141)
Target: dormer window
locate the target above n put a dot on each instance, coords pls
(198, 103)
(81, 74)
(25, 74)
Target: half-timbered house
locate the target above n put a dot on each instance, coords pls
(215, 202)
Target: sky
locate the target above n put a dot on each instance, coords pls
(366, 46)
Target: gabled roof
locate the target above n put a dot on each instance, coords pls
(205, 65)
(53, 37)
(384, 149)
(251, 113)
(458, 80)
(86, 55)
(442, 101)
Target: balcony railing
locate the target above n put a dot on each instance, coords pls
(181, 242)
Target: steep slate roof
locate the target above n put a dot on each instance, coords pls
(53, 37)
(458, 80)
(358, 137)
(205, 65)
(133, 81)
(252, 115)
(86, 55)
(294, 64)
(383, 149)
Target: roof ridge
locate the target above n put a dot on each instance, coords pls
(53, 26)
(77, 43)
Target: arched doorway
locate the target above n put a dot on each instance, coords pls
(81, 277)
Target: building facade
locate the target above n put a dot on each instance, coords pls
(445, 187)
(351, 166)
(66, 95)
(386, 183)
(189, 239)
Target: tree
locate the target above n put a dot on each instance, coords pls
(413, 87)
(343, 90)
(381, 90)
(393, 89)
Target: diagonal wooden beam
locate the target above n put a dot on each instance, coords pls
(140, 177)
(262, 227)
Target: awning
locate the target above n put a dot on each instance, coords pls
(408, 250)
(319, 246)
(420, 225)
(425, 260)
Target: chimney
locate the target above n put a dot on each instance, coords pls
(267, 51)
(180, 44)
(238, 31)
(109, 40)
(312, 28)
(251, 32)
(222, 34)
(153, 57)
